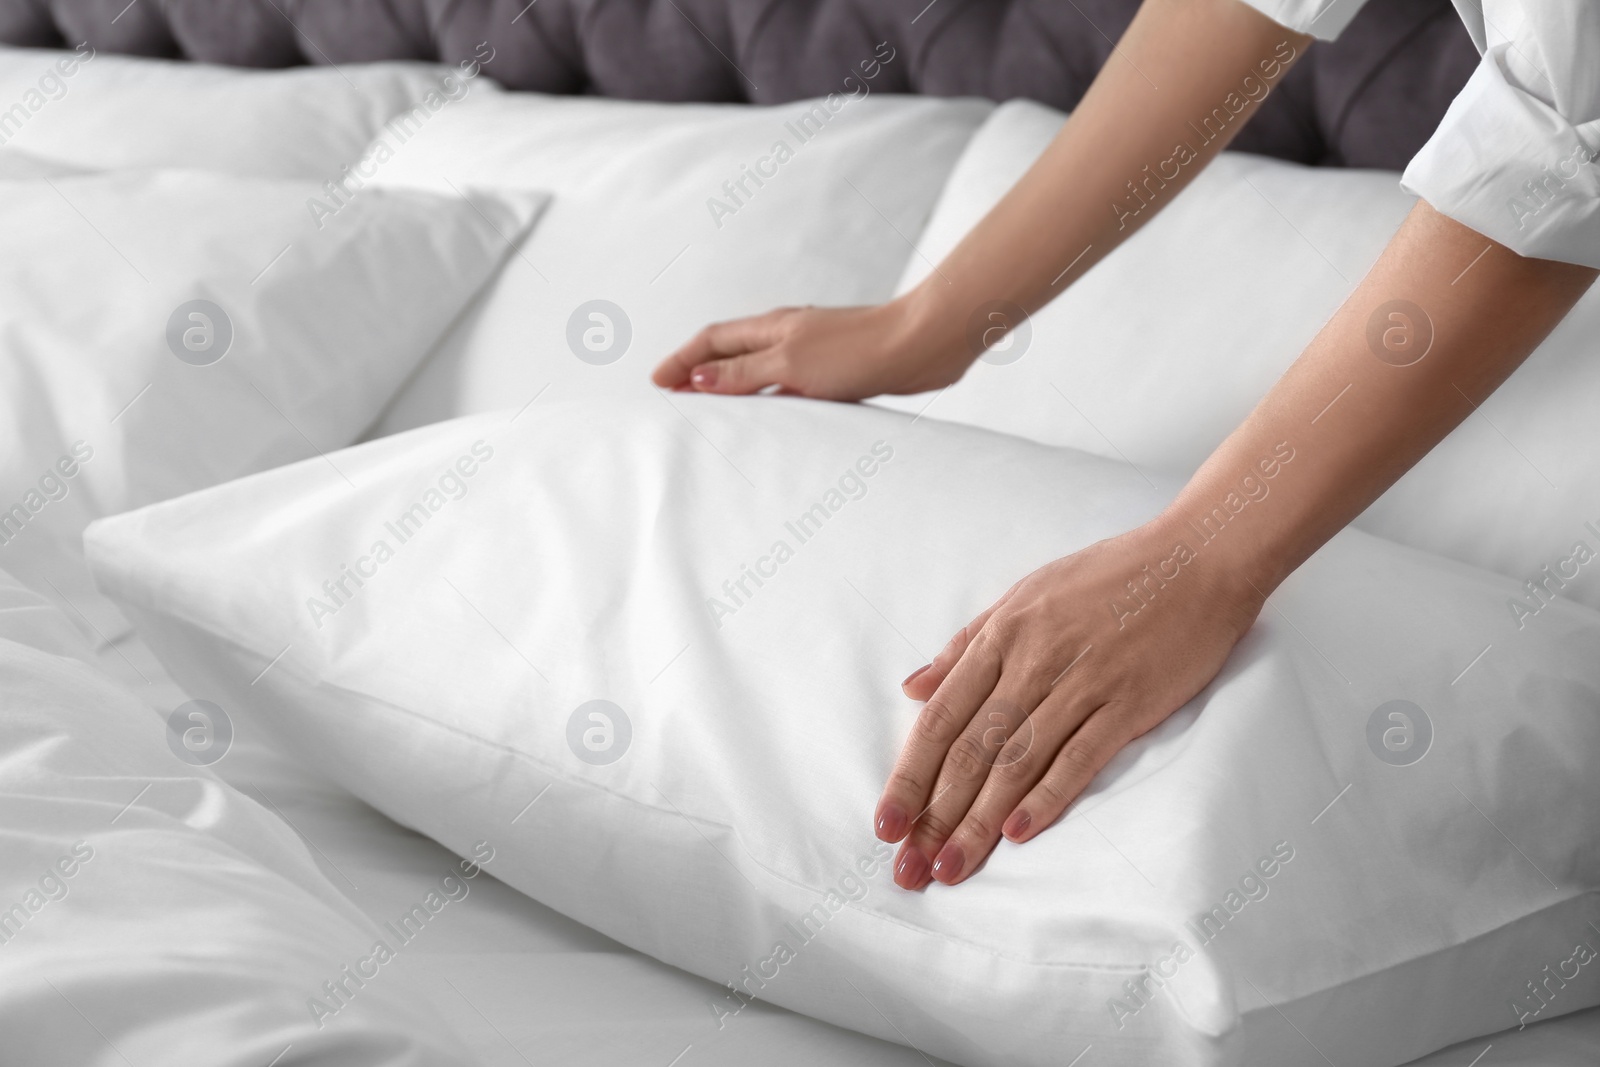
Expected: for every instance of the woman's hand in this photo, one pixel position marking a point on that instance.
(1036, 694)
(826, 353)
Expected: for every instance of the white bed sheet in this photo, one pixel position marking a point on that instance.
(523, 984)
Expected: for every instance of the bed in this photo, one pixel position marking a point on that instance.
(414, 229)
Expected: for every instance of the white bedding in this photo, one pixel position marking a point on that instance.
(517, 981)
(150, 913)
(638, 221)
(101, 111)
(520, 981)
(496, 601)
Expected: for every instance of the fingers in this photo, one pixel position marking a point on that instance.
(943, 719)
(1103, 735)
(925, 680)
(967, 767)
(717, 342)
(739, 375)
(1021, 762)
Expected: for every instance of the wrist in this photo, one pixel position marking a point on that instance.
(928, 336)
(1211, 533)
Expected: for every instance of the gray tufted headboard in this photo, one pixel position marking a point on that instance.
(1370, 99)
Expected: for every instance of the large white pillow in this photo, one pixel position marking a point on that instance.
(114, 394)
(150, 913)
(635, 223)
(576, 628)
(107, 112)
(1163, 348)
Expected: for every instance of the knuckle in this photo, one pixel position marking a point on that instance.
(1078, 761)
(977, 826)
(1053, 790)
(1016, 763)
(907, 787)
(966, 761)
(1000, 631)
(936, 826)
(937, 721)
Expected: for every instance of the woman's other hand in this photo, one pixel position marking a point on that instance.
(826, 353)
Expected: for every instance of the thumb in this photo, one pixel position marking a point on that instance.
(738, 375)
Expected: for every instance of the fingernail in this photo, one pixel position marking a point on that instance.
(891, 822)
(947, 866)
(911, 870)
(704, 377)
(1017, 825)
(914, 675)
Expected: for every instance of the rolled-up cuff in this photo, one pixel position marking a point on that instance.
(1323, 19)
(1511, 167)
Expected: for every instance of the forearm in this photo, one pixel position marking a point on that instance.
(1185, 77)
(1355, 412)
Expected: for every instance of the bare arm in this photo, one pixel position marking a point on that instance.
(1186, 76)
(1355, 418)
(1380, 385)
(1440, 321)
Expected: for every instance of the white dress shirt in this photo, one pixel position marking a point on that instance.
(1517, 155)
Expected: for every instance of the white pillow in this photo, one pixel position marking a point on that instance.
(150, 913)
(104, 405)
(1163, 348)
(725, 781)
(107, 112)
(634, 224)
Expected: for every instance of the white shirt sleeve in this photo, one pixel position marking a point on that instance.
(1323, 19)
(1515, 157)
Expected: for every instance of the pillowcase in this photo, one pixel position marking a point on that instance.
(655, 645)
(164, 331)
(110, 112)
(1161, 350)
(151, 913)
(663, 222)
